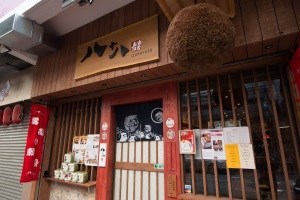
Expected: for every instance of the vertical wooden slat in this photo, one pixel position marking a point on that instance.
(90, 131)
(153, 192)
(160, 159)
(289, 112)
(59, 66)
(211, 126)
(223, 125)
(281, 148)
(36, 77)
(287, 23)
(249, 125)
(71, 125)
(239, 51)
(235, 124)
(145, 175)
(65, 133)
(263, 129)
(55, 146)
(251, 27)
(149, 160)
(268, 25)
(192, 157)
(138, 174)
(130, 173)
(42, 74)
(96, 131)
(55, 68)
(49, 73)
(296, 6)
(180, 128)
(200, 127)
(60, 147)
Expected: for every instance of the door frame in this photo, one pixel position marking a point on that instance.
(168, 93)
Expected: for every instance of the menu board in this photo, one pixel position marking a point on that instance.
(236, 135)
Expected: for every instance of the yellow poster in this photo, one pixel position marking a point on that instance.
(232, 156)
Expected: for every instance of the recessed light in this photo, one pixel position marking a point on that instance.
(268, 46)
(143, 75)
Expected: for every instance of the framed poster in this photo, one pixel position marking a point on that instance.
(187, 142)
(92, 150)
(139, 122)
(212, 144)
(79, 148)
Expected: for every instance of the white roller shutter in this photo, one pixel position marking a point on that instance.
(12, 145)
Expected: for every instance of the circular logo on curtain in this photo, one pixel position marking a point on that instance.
(157, 115)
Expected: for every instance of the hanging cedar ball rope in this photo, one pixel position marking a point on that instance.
(199, 37)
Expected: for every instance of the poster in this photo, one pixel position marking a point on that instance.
(92, 150)
(246, 156)
(240, 156)
(187, 142)
(79, 148)
(139, 122)
(102, 155)
(232, 156)
(212, 144)
(39, 116)
(236, 135)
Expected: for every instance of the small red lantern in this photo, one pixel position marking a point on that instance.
(17, 115)
(1, 117)
(7, 116)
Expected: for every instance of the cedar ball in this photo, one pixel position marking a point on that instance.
(199, 37)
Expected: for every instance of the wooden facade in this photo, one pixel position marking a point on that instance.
(265, 31)
(263, 28)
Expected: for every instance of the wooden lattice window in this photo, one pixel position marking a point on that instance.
(259, 99)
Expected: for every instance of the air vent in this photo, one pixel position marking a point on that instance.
(20, 33)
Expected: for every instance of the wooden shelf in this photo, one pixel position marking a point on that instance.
(84, 185)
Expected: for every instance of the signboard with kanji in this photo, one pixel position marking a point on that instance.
(135, 44)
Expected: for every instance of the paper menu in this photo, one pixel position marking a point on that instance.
(236, 135)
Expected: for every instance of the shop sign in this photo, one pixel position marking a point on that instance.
(39, 117)
(135, 44)
(102, 155)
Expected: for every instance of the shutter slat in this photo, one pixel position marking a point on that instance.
(12, 145)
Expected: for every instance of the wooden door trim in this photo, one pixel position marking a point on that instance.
(168, 94)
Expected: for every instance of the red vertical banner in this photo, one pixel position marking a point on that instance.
(295, 66)
(39, 117)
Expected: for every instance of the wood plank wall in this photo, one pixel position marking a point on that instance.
(262, 27)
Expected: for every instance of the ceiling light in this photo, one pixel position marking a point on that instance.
(83, 2)
(268, 46)
(4, 49)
